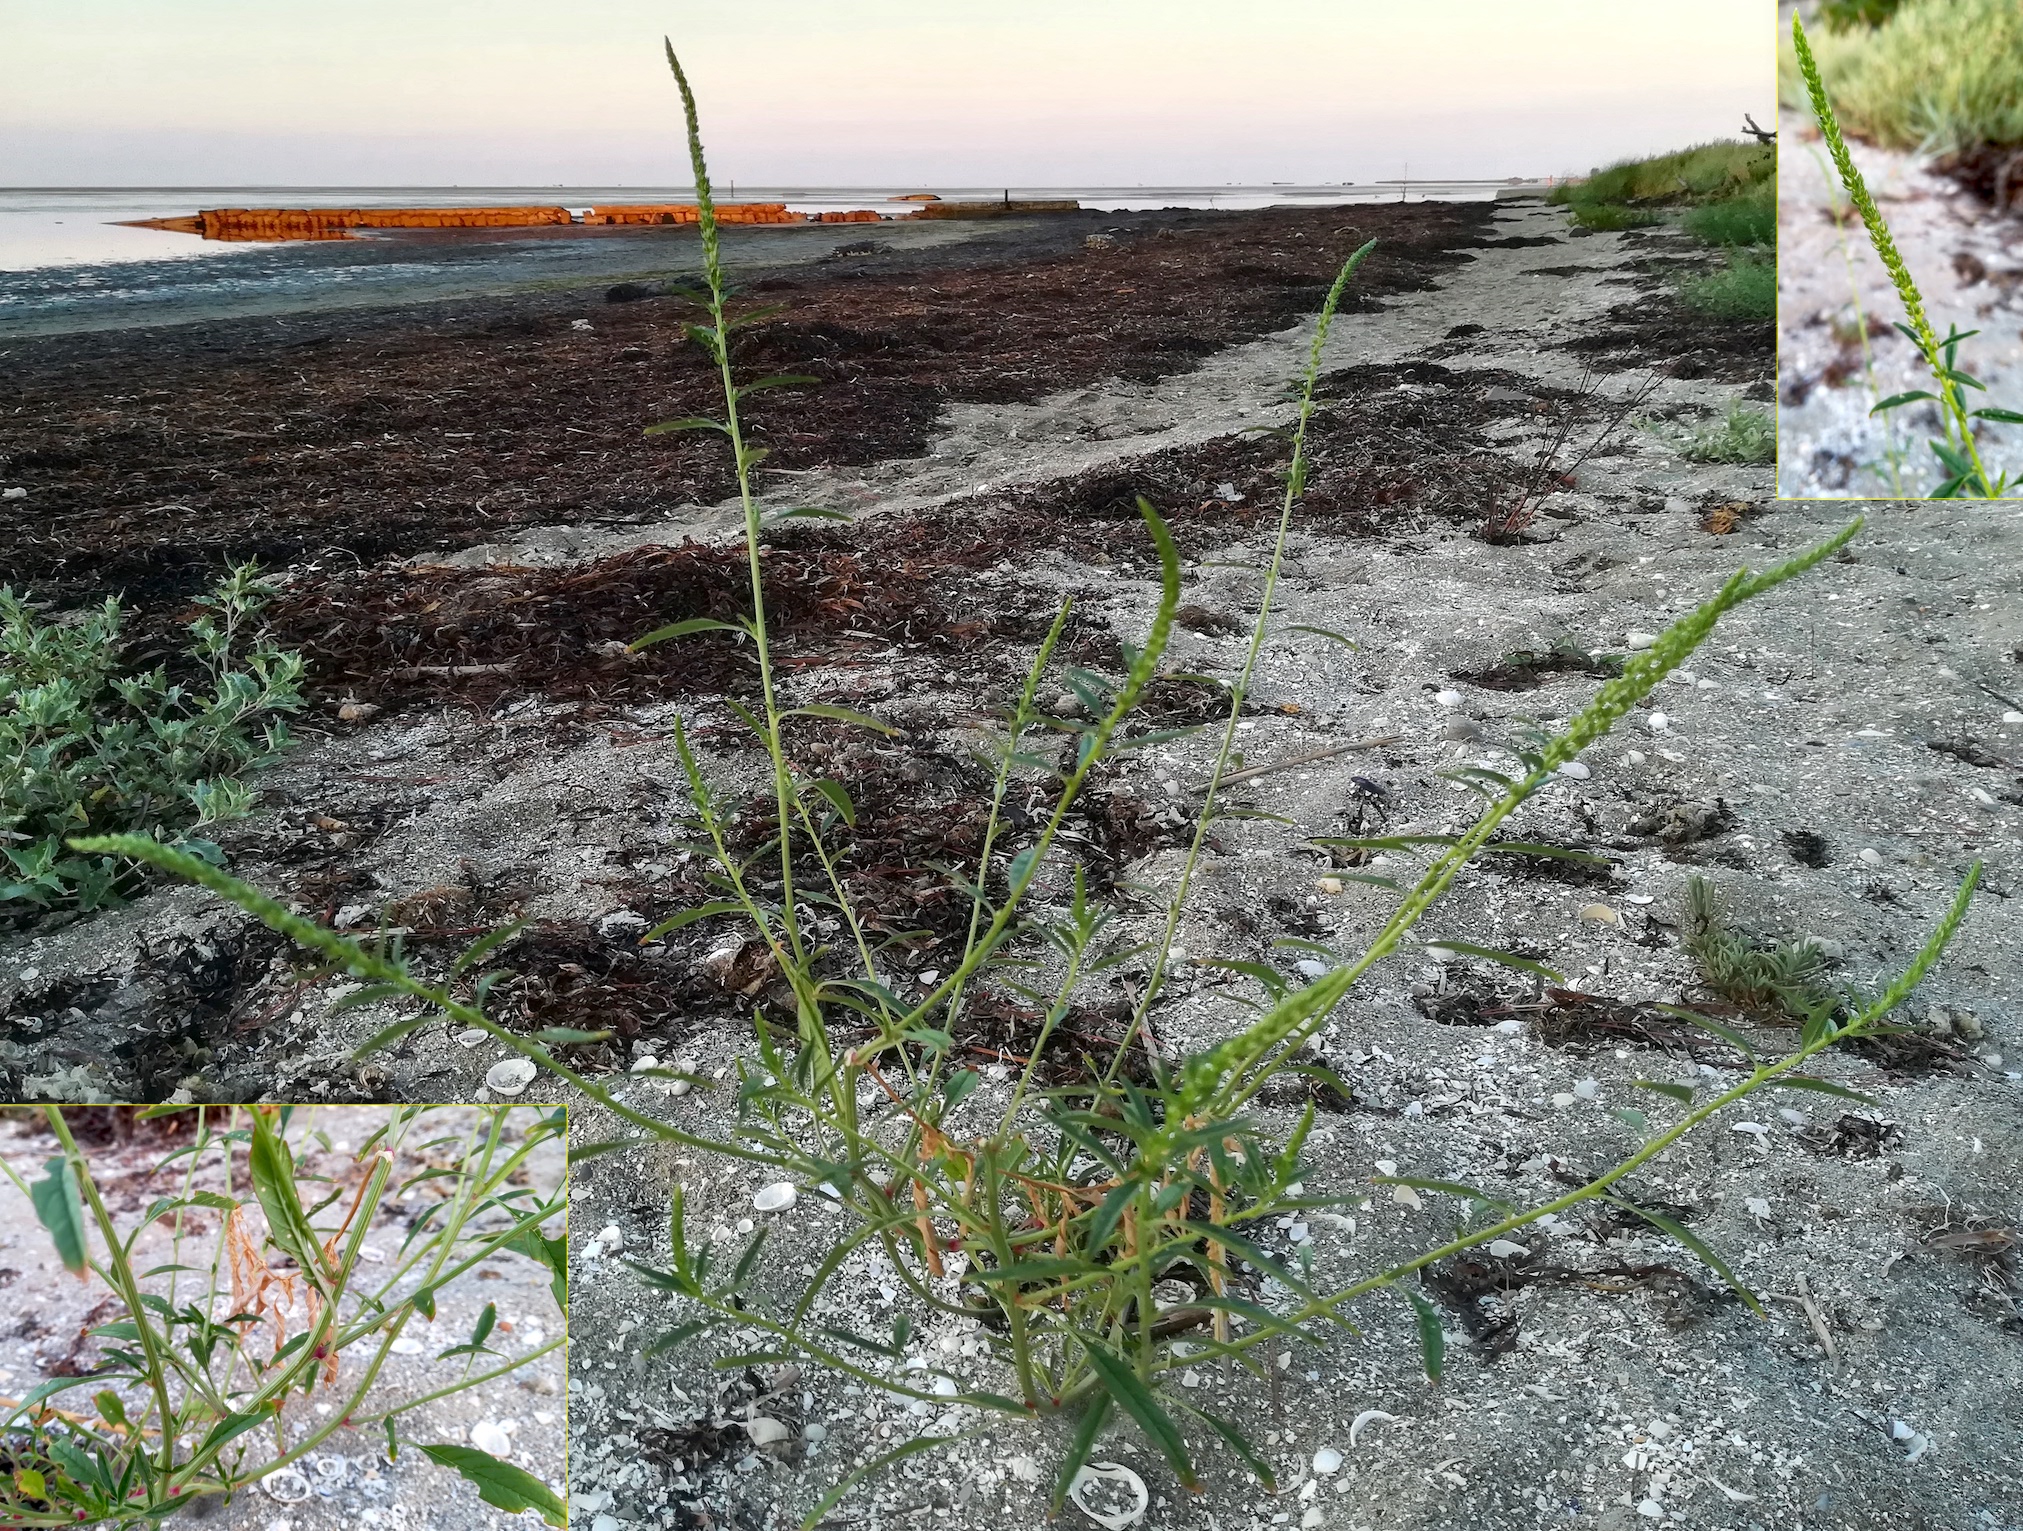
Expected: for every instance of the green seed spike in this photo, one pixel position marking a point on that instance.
(1920, 327)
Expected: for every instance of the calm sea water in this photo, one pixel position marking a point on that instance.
(66, 264)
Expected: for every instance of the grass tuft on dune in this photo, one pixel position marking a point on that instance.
(1940, 76)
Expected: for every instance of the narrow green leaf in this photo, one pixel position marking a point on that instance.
(1682, 1093)
(1086, 1430)
(687, 423)
(1733, 1038)
(59, 1207)
(876, 1465)
(1694, 1245)
(1507, 959)
(1896, 399)
(1253, 1459)
(840, 715)
(681, 630)
(2005, 416)
(688, 917)
(1136, 1400)
(1322, 632)
(1432, 1334)
(500, 1484)
(1821, 1086)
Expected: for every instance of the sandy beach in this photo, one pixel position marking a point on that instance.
(471, 528)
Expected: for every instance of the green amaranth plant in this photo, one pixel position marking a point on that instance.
(1965, 477)
(190, 1403)
(85, 748)
(1055, 1217)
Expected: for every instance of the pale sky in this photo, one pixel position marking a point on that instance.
(856, 92)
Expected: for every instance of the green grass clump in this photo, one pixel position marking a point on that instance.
(1725, 190)
(1744, 435)
(1746, 289)
(1942, 76)
(86, 748)
(1611, 216)
(1706, 172)
(1750, 219)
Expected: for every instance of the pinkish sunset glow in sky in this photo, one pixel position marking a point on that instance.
(821, 92)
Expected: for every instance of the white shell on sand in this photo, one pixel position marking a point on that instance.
(509, 1076)
(1110, 1494)
(488, 1437)
(776, 1197)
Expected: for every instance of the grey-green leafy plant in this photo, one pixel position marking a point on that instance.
(1060, 1216)
(86, 748)
(1781, 978)
(191, 1402)
(1964, 476)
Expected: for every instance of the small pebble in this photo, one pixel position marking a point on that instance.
(13, 494)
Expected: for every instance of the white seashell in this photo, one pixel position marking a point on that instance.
(1405, 1194)
(1756, 1207)
(1732, 1495)
(1761, 1132)
(1368, 1417)
(1507, 1249)
(1601, 914)
(1576, 769)
(1110, 1494)
(1658, 723)
(1650, 1509)
(777, 1197)
(1869, 856)
(1792, 1117)
(1674, 756)
(1562, 1099)
(286, 1486)
(1637, 757)
(1917, 1447)
(1637, 898)
(1387, 1166)
(1308, 967)
(1441, 953)
(1190, 1378)
(1447, 698)
(1327, 1461)
(613, 1237)
(1588, 1089)
(1511, 1028)
(509, 1076)
(406, 1346)
(766, 1431)
(488, 1437)
(1636, 1459)
(1636, 640)
(472, 1037)
(2012, 717)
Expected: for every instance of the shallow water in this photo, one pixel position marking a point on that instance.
(66, 265)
